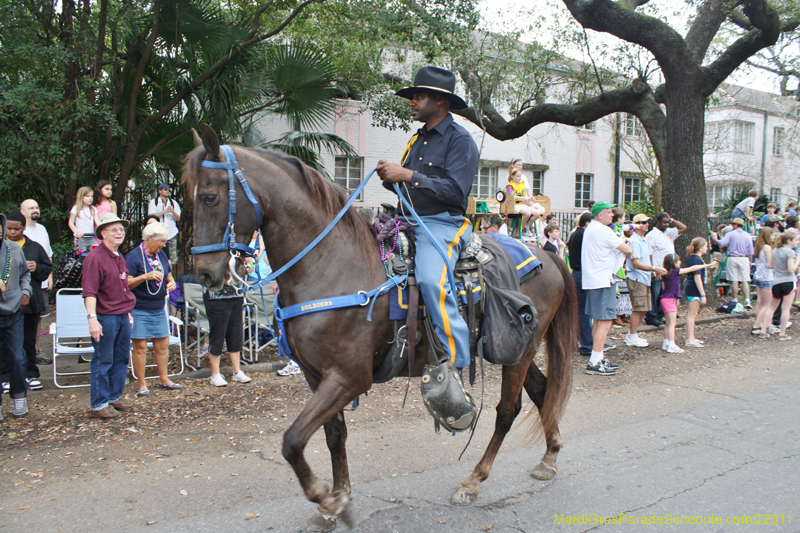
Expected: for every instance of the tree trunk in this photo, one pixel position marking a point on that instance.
(683, 181)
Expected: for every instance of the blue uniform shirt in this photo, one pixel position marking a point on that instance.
(444, 161)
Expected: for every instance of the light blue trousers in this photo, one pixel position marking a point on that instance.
(452, 233)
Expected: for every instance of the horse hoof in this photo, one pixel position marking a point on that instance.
(463, 496)
(338, 505)
(544, 471)
(320, 523)
(348, 514)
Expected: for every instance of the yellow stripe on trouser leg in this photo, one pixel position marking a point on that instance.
(443, 293)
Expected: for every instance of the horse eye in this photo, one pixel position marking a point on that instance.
(208, 199)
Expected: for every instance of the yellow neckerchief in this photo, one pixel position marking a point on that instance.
(519, 188)
(403, 160)
(407, 151)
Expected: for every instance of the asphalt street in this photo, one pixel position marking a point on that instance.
(733, 459)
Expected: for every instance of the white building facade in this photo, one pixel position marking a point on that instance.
(749, 144)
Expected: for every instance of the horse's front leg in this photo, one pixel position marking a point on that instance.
(507, 410)
(536, 387)
(330, 396)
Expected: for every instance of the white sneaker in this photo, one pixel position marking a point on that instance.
(773, 329)
(291, 369)
(635, 340)
(674, 348)
(241, 377)
(218, 380)
(664, 344)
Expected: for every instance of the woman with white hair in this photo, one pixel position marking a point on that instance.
(150, 280)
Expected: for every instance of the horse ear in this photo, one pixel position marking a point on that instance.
(210, 142)
(196, 139)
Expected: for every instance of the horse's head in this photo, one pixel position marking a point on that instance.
(211, 206)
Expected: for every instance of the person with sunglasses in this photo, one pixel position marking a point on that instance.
(492, 224)
(639, 272)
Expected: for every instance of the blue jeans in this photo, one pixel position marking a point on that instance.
(11, 334)
(584, 320)
(452, 233)
(110, 360)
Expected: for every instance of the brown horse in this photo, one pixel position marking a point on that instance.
(340, 348)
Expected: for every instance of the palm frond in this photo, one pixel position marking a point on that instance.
(304, 77)
(317, 142)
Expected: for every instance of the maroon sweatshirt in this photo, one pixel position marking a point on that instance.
(105, 276)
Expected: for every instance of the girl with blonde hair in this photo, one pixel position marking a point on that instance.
(524, 202)
(695, 289)
(763, 276)
(83, 218)
(671, 294)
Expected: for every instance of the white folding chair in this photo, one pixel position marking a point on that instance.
(175, 339)
(70, 333)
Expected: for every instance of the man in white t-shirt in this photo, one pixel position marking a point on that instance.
(38, 234)
(661, 241)
(169, 212)
(602, 255)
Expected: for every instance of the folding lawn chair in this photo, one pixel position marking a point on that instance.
(70, 333)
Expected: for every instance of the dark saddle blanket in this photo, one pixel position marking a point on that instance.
(508, 263)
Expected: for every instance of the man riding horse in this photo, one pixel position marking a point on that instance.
(435, 176)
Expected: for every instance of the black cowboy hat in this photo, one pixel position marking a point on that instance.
(435, 80)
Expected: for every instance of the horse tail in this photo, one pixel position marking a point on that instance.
(561, 339)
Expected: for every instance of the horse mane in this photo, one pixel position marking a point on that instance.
(328, 196)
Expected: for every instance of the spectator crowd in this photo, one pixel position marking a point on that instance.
(126, 299)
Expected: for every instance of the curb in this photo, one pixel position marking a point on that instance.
(710, 320)
(255, 368)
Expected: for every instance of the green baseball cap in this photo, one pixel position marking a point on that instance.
(600, 206)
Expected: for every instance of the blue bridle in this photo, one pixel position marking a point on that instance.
(229, 239)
